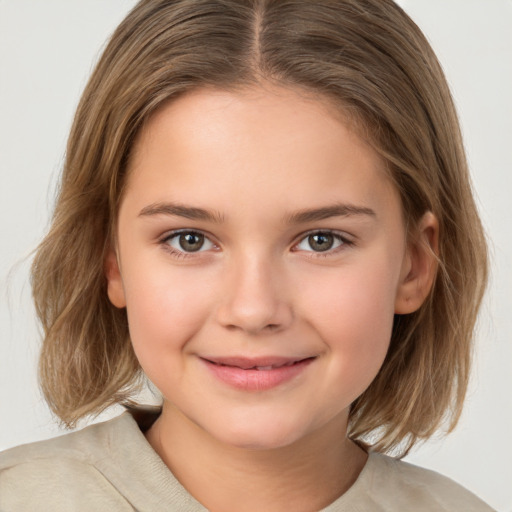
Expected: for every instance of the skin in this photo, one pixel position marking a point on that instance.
(258, 287)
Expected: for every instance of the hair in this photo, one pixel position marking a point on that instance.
(368, 58)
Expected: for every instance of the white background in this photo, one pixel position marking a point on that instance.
(47, 50)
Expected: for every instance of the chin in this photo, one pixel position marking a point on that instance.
(259, 437)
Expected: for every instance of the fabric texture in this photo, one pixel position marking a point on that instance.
(110, 466)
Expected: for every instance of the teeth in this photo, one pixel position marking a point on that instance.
(262, 368)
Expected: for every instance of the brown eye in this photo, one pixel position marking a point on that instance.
(187, 242)
(191, 242)
(321, 241)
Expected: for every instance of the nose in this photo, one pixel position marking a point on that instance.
(254, 298)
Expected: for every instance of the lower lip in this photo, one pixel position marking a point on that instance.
(257, 380)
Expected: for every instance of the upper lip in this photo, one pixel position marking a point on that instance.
(246, 363)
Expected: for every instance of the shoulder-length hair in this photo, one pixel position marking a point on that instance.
(366, 56)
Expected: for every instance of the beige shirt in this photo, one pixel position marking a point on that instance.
(111, 467)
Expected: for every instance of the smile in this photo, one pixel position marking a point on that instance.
(256, 374)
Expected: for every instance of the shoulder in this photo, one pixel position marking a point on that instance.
(107, 466)
(58, 473)
(403, 486)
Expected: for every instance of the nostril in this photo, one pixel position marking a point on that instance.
(253, 316)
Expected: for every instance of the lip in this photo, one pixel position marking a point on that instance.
(256, 374)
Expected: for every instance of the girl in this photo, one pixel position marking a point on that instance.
(265, 209)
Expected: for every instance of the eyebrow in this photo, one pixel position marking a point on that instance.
(179, 210)
(299, 217)
(326, 212)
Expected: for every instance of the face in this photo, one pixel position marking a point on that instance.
(261, 255)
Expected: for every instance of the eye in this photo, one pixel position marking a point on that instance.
(321, 241)
(187, 242)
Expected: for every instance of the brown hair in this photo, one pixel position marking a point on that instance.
(371, 60)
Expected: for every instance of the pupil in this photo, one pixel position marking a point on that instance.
(191, 241)
(321, 242)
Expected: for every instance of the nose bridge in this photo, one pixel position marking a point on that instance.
(255, 298)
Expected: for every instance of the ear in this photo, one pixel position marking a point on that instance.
(420, 266)
(115, 287)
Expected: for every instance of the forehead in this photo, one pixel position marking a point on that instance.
(206, 115)
(287, 145)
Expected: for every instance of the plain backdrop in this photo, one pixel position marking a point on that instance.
(47, 50)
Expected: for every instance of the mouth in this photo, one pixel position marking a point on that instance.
(256, 374)
(261, 364)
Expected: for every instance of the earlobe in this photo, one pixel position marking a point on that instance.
(115, 287)
(420, 266)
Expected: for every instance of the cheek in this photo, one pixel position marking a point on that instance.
(353, 313)
(165, 309)
(356, 299)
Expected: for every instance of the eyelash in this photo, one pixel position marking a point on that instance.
(344, 243)
(177, 253)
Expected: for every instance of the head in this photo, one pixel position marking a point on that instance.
(371, 65)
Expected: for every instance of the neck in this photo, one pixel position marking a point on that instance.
(306, 475)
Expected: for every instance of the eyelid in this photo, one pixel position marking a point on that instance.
(347, 241)
(169, 235)
(173, 232)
